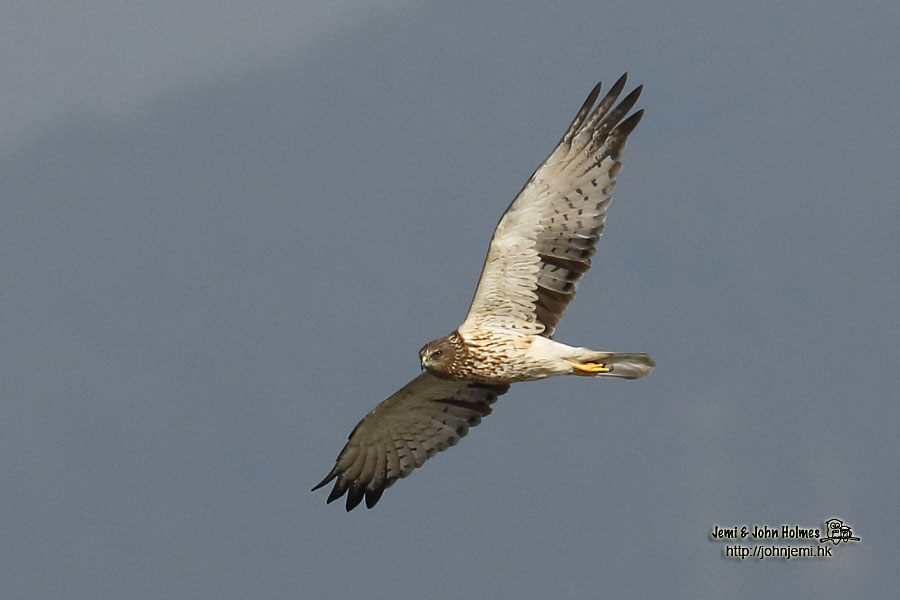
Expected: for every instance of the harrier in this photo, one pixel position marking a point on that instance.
(540, 249)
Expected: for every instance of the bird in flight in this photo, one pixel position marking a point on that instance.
(542, 246)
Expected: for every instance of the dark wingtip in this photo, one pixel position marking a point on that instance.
(628, 125)
(629, 100)
(616, 89)
(336, 492)
(322, 483)
(354, 497)
(373, 496)
(595, 91)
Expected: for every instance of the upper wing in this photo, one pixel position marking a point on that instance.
(544, 242)
(426, 416)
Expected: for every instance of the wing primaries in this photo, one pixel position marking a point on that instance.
(425, 417)
(544, 243)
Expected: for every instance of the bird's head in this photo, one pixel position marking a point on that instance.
(439, 356)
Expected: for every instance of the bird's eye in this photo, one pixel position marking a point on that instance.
(436, 354)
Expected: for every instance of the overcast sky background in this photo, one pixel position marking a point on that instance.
(226, 230)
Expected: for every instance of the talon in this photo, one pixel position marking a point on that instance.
(588, 368)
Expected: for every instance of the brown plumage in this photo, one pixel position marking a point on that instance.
(539, 251)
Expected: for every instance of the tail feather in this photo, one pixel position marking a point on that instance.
(624, 365)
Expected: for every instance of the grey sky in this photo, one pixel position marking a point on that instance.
(115, 58)
(225, 233)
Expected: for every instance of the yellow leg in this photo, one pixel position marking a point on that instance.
(588, 368)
